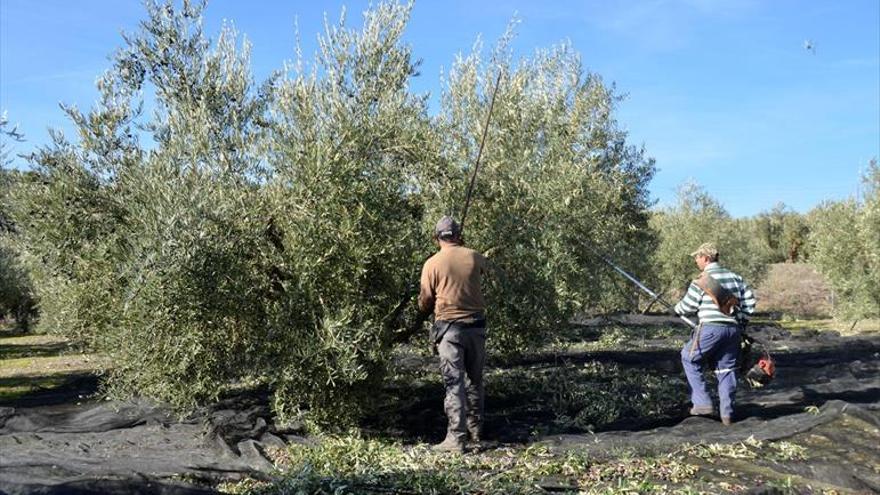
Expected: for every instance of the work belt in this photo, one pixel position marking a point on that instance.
(440, 327)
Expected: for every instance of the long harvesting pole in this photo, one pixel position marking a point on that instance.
(467, 200)
(640, 285)
(403, 336)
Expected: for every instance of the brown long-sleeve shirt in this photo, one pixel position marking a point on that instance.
(450, 283)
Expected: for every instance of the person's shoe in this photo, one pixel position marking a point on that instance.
(702, 411)
(475, 444)
(450, 444)
(476, 437)
(726, 421)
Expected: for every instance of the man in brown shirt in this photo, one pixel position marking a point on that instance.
(450, 288)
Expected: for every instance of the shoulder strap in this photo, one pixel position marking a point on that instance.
(722, 297)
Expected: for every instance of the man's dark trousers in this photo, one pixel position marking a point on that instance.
(462, 353)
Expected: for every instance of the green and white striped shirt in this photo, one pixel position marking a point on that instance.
(698, 301)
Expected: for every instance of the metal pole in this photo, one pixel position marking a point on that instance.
(467, 200)
(640, 285)
(411, 293)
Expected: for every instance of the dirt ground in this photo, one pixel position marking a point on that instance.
(607, 386)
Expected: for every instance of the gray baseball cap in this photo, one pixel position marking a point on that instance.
(447, 228)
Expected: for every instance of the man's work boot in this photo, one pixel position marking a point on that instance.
(726, 421)
(702, 411)
(476, 439)
(476, 435)
(450, 444)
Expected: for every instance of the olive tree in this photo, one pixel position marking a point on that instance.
(696, 218)
(16, 293)
(558, 178)
(142, 235)
(784, 234)
(348, 146)
(845, 247)
(239, 231)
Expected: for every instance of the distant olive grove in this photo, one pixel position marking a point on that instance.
(841, 239)
(16, 289)
(844, 244)
(270, 231)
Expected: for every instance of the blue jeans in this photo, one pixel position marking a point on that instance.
(718, 343)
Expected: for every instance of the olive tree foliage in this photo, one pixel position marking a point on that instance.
(239, 231)
(696, 218)
(784, 234)
(8, 177)
(144, 236)
(16, 299)
(845, 247)
(274, 231)
(557, 176)
(16, 295)
(349, 145)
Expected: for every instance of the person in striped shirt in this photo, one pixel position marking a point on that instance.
(723, 302)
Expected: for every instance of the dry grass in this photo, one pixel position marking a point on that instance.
(796, 290)
(31, 340)
(49, 365)
(845, 328)
(32, 363)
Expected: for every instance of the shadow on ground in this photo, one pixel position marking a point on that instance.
(32, 350)
(49, 390)
(525, 398)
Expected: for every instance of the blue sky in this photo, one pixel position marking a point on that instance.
(720, 92)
